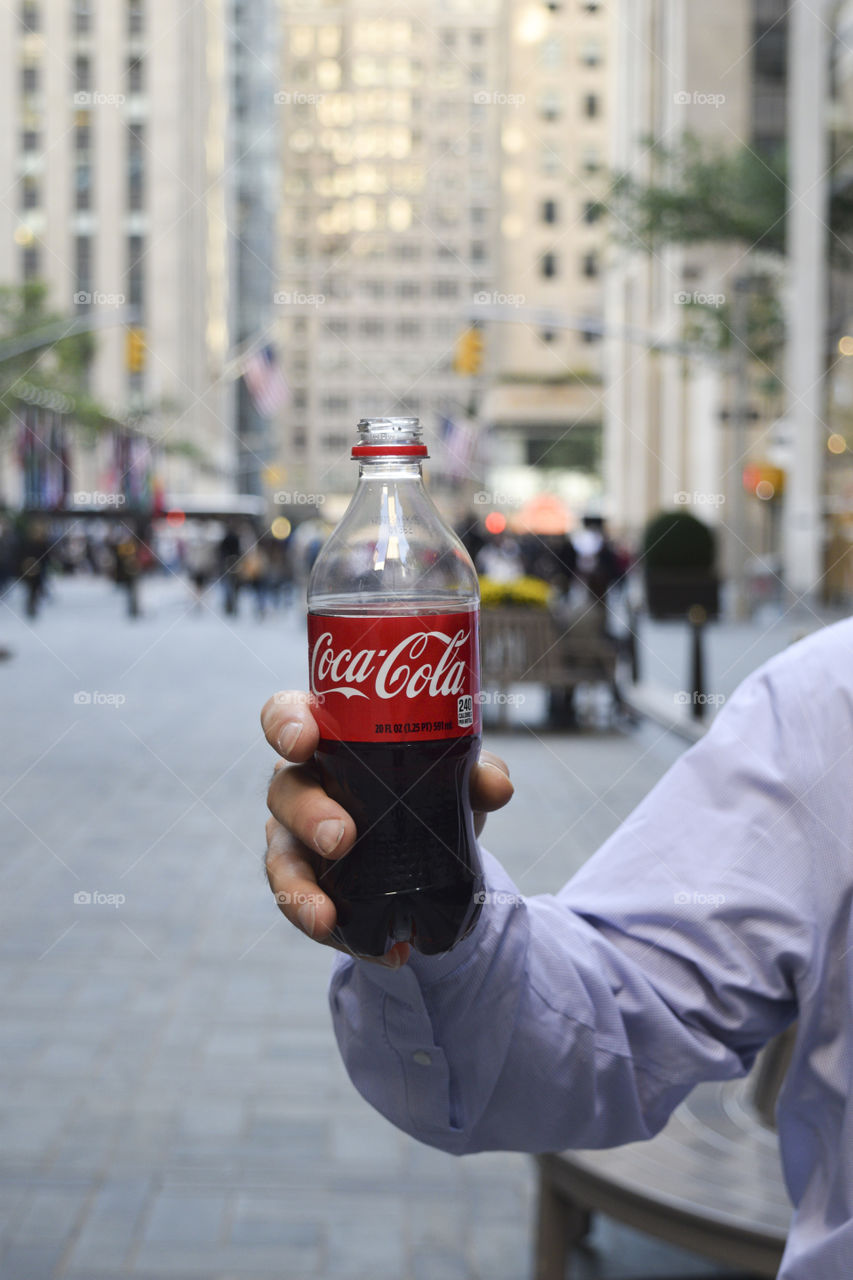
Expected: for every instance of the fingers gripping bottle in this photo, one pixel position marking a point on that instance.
(393, 613)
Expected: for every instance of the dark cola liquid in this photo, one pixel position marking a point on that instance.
(414, 871)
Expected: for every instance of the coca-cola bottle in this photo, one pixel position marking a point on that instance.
(393, 612)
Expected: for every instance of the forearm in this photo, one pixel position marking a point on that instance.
(516, 1040)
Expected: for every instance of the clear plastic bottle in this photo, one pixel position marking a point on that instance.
(393, 614)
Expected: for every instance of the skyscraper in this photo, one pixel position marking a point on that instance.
(114, 164)
(389, 216)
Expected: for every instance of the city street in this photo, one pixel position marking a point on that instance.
(174, 1103)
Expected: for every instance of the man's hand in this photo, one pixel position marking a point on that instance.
(307, 826)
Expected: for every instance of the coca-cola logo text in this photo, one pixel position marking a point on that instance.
(398, 672)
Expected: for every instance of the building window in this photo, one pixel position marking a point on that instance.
(549, 211)
(83, 263)
(30, 263)
(551, 53)
(550, 104)
(408, 329)
(591, 55)
(82, 74)
(135, 75)
(591, 6)
(82, 185)
(30, 18)
(82, 132)
(548, 265)
(339, 328)
(135, 17)
(477, 37)
(370, 328)
(135, 168)
(30, 140)
(591, 159)
(589, 336)
(589, 265)
(478, 251)
(407, 289)
(135, 271)
(445, 288)
(29, 79)
(591, 211)
(30, 194)
(82, 10)
(590, 105)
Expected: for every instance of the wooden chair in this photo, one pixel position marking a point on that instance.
(710, 1181)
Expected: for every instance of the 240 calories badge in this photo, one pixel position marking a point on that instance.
(381, 678)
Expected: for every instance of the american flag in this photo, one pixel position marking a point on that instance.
(459, 438)
(265, 381)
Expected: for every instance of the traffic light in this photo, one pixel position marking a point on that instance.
(136, 349)
(468, 358)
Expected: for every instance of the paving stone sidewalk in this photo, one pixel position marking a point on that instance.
(172, 1101)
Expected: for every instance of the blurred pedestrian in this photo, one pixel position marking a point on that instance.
(199, 564)
(255, 574)
(127, 567)
(229, 558)
(34, 563)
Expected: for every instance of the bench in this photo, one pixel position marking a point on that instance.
(526, 645)
(710, 1181)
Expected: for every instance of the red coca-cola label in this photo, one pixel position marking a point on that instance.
(391, 678)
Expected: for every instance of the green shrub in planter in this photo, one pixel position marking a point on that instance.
(678, 561)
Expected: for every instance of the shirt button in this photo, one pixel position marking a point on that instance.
(422, 1058)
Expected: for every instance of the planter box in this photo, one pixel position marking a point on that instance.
(671, 593)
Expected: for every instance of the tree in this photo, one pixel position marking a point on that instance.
(58, 364)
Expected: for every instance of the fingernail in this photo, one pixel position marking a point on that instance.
(306, 916)
(289, 736)
(328, 835)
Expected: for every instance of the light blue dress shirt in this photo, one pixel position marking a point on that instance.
(715, 915)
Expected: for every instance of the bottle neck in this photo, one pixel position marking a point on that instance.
(380, 468)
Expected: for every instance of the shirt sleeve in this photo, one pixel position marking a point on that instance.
(582, 1019)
